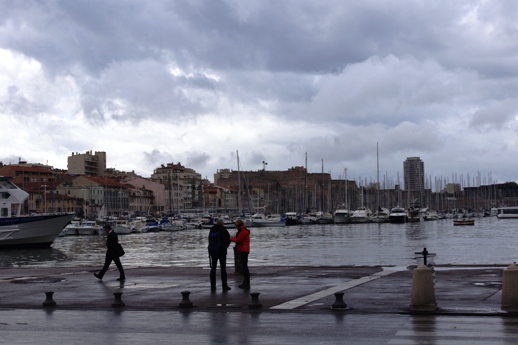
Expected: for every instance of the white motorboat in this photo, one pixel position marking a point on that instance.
(26, 231)
(174, 225)
(397, 215)
(121, 227)
(380, 216)
(136, 225)
(430, 215)
(342, 216)
(260, 220)
(292, 218)
(89, 228)
(507, 212)
(150, 225)
(324, 218)
(361, 215)
(71, 228)
(307, 219)
(415, 214)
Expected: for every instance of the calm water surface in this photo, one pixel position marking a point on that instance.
(489, 241)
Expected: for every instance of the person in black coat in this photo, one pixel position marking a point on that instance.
(219, 240)
(112, 254)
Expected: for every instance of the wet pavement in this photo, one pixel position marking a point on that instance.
(294, 302)
(466, 289)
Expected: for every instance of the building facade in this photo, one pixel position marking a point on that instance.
(183, 187)
(413, 174)
(87, 164)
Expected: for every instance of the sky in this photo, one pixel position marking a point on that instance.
(351, 85)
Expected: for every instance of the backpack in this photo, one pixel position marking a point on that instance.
(214, 243)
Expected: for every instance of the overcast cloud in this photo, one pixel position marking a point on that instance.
(154, 82)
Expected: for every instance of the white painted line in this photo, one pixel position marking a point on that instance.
(324, 293)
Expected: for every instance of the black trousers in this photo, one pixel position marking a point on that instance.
(107, 262)
(223, 267)
(243, 257)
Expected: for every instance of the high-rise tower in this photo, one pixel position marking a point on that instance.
(413, 170)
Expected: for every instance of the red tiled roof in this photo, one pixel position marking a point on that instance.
(105, 181)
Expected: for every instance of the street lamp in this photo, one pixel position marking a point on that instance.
(45, 196)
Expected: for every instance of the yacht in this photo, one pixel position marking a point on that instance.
(361, 215)
(71, 228)
(89, 227)
(150, 225)
(397, 215)
(507, 212)
(174, 225)
(260, 220)
(342, 215)
(324, 218)
(121, 226)
(380, 216)
(39, 230)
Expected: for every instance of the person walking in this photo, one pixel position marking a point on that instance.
(242, 240)
(219, 240)
(112, 254)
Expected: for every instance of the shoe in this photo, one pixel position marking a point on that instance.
(98, 276)
(121, 279)
(226, 288)
(244, 287)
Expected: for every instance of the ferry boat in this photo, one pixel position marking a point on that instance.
(17, 230)
(507, 212)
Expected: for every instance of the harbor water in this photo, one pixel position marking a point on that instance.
(490, 241)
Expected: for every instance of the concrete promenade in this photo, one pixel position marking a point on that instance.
(465, 290)
(294, 296)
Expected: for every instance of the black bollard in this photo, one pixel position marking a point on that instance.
(339, 302)
(185, 303)
(49, 301)
(255, 304)
(118, 300)
(425, 256)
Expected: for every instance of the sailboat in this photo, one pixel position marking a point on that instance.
(362, 214)
(397, 214)
(342, 214)
(382, 214)
(323, 217)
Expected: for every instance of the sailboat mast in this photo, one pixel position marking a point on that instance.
(322, 194)
(238, 183)
(305, 184)
(378, 175)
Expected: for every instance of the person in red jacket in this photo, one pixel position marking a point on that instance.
(242, 241)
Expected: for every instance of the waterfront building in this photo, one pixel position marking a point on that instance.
(87, 164)
(99, 192)
(23, 173)
(183, 187)
(219, 199)
(293, 190)
(147, 196)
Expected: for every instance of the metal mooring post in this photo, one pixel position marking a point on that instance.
(425, 255)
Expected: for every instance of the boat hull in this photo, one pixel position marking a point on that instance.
(359, 220)
(397, 219)
(32, 231)
(459, 222)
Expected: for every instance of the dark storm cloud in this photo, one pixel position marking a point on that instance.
(341, 75)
